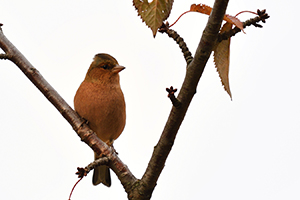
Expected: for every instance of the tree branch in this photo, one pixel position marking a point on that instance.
(262, 16)
(179, 40)
(188, 89)
(84, 132)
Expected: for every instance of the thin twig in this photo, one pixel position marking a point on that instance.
(171, 91)
(179, 40)
(4, 56)
(262, 16)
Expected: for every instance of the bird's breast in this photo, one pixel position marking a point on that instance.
(103, 106)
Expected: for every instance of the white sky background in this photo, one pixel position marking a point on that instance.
(247, 148)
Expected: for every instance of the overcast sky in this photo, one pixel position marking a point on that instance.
(247, 148)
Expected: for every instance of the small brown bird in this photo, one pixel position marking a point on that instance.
(99, 99)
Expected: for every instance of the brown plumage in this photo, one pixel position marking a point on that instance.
(99, 99)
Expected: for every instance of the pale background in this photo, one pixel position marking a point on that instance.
(247, 148)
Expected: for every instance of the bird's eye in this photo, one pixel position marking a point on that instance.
(105, 66)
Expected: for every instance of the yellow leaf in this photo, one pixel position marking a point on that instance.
(154, 13)
(221, 58)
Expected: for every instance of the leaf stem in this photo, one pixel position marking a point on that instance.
(245, 12)
(180, 17)
(74, 188)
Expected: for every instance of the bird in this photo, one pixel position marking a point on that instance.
(100, 101)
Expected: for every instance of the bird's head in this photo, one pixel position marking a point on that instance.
(104, 69)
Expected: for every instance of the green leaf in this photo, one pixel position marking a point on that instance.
(154, 13)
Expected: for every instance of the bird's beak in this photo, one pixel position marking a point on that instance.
(118, 68)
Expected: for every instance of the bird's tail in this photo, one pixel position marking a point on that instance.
(101, 175)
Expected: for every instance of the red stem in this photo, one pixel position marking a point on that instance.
(74, 188)
(246, 11)
(179, 18)
(193, 11)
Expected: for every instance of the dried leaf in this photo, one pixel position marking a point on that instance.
(154, 13)
(221, 58)
(235, 21)
(201, 8)
(204, 9)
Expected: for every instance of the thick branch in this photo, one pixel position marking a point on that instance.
(188, 89)
(13, 54)
(84, 132)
